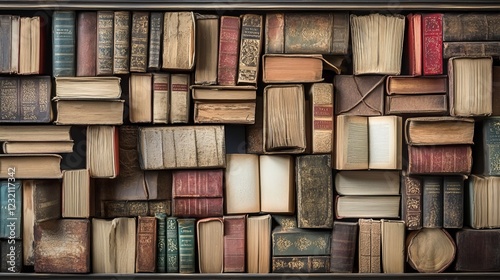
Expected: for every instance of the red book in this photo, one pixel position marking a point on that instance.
(432, 40)
(234, 243)
(415, 44)
(146, 244)
(228, 50)
(442, 159)
(86, 48)
(197, 207)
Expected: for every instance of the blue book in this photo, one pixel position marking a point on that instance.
(63, 44)
(11, 209)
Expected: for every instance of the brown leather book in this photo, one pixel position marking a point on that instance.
(414, 44)
(146, 244)
(359, 95)
(250, 48)
(496, 91)
(439, 131)
(178, 40)
(229, 37)
(234, 243)
(86, 47)
(64, 237)
(489, 48)
(417, 85)
(432, 44)
(441, 159)
(424, 104)
(411, 205)
(320, 118)
(369, 246)
(471, 27)
(477, 250)
(343, 246)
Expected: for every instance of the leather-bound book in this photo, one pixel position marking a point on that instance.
(477, 250)
(63, 44)
(488, 48)
(121, 42)
(321, 118)
(105, 23)
(155, 40)
(139, 36)
(86, 48)
(343, 246)
(486, 147)
(187, 245)
(411, 206)
(301, 264)
(178, 40)
(359, 95)
(432, 202)
(369, 246)
(471, 27)
(453, 201)
(432, 44)
(145, 260)
(235, 243)
(440, 159)
(250, 48)
(414, 43)
(228, 50)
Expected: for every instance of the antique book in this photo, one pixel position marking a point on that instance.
(187, 244)
(481, 202)
(210, 245)
(367, 206)
(439, 131)
(105, 24)
(430, 250)
(11, 211)
(290, 242)
(15, 42)
(172, 245)
(359, 142)
(453, 201)
(477, 250)
(6, 44)
(134, 208)
(180, 98)
(63, 43)
(32, 45)
(29, 147)
(411, 204)
(223, 93)
(440, 159)
(432, 202)
(307, 32)
(423, 104)
(486, 154)
(75, 88)
(470, 27)
(367, 182)
(284, 125)
(258, 234)
(161, 98)
(369, 245)
(102, 151)
(139, 36)
(113, 245)
(381, 52)
(242, 184)
(296, 68)
(254, 133)
(161, 242)
(277, 190)
(392, 235)
(197, 193)
(63, 237)
(78, 199)
(320, 117)
(89, 112)
(121, 42)
(414, 43)
(12, 260)
(417, 85)
(86, 47)
(25, 99)
(207, 46)
(179, 40)
(252, 26)
(145, 257)
(31, 166)
(140, 98)
(343, 246)
(496, 91)
(155, 40)
(471, 96)
(234, 243)
(314, 189)
(183, 147)
(432, 44)
(34, 133)
(301, 264)
(488, 48)
(229, 41)
(359, 95)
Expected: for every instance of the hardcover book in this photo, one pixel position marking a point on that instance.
(139, 36)
(414, 43)
(210, 244)
(440, 159)
(343, 246)
(488, 48)
(258, 232)
(477, 250)
(481, 202)
(11, 211)
(392, 246)
(471, 27)
(121, 42)
(367, 182)
(89, 112)
(369, 246)
(187, 245)
(7, 33)
(207, 46)
(301, 264)
(432, 202)
(30, 166)
(161, 98)
(105, 23)
(432, 44)
(161, 243)
(413, 105)
(320, 116)
(297, 68)
(102, 151)
(172, 244)
(487, 147)
(155, 40)
(229, 37)
(140, 98)
(234, 243)
(411, 206)
(179, 35)
(439, 131)
(86, 44)
(180, 98)
(63, 43)
(300, 242)
(250, 48)
(359, 95)
(145, 257)
(453, 201)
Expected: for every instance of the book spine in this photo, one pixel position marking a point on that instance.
(414, 49)
(432, 44)
(307, 264)
(11, 207)
(364, 247)
(187, 245)
(424, 104)
(375, 249)
(161, 249)
(86, 48)
(5, 43)
(453, 202)
(321, 99)
(161, 97)
(105, 20)
(9, 92)
(121, 38)
(291, 243)
(275, 40)
(12, 255)
(146, 244)
(343, 246)
(470, 27)
(444, 159)
(15, 44)
(228, 50)
(490, 158)
(155, 37)
(234, 243)
(119, 208)
(46, 200)
(178, 40)
(139, 41)
(197, 183)
(207, 40)
(250, 48)
(412, 202)
(340, 36)
(172, 256)
(201, 207)
(432, 202)
(179, 98)
(451, 49)
(63, 44)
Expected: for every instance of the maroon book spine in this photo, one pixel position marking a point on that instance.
(228, 50)
(432, 40)
(197, 207)
(197, 183)
(234, 243)
(146, 244)
(442, 159)
(86, 48)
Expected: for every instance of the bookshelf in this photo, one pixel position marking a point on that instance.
(257, 6)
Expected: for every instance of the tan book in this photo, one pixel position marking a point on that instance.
(393, 246)
(210, 239)
(102, 151)
(368, 142)
(439, 131)
(31, 44)
(367, 182)
(30, 166)
(89, 112)
(416, 85)
(259, 243)
(367, 206)
(180, 98)
(88, 87)
(224, 113)
(140, 98)
(179, 35)
(242, 184)
(223, 93)
(207, 46)
(161, 97)
(34, 133)
(321, 117)
(296, 68)
(369, 246)
(277, 184)
(77, 194)
(252, 26)
(42, 147)
(430, 250)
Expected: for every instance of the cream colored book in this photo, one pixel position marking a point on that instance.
(210, 239)
(259, 243)
(77, 194)
(140, 98)
(393, 246)
(277, 184)
(242, 184)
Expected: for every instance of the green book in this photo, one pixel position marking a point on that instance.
(300, 242)
(187, 245)
(172, 253)
(161, 250)
(63, 44)
(12, 209)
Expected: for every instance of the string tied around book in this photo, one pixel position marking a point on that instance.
(362, 99)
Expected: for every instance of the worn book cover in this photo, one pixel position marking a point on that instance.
(145, 258)
(11, 210)
(139, 36)
(369, 246)
(254, 133)
(359, 95)
(250, 48)
(179, 36)
(432, 44)
(301, 264)
(320, 118)
(453, 201)
(161, 98)
(477, 250)
(172, 244)
(121, 42)
(207, 46)
(432, 202)
(416, 105)
(6, 44)
(134, 208)
(105, 23)
(210, 244)
(229, 41)
(440, 159)
(439, 131)
(63, 43)
(155, 40)
(487, 147)
(300, 242)
(430, 250)
(140, 97)
(411, 206)
(234, 243)
(161, 243)
(86, 44)
(414, 43)
(187, 245)
(343, 246)
(471, 27)
(488, 48)
(180, 98)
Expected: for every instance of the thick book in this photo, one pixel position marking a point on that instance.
(155, 40)
(432, 44)
(290, 242)
(140, 98)
(63, 43)
(89, 112)
(179, 40)
(234, 243)
(25, 99)
(307, 32)
(439, 131)
(161, 98)
(359, 95)
(134, 208)
(32, 38)
(30, 166)
(482, 202)
(139, 36)
(78, 199)
(488, 48)
(87, 88)
(223, 94)
(430, 250)
(314, 189)
(242, 184)
(343, 246)
(210, 244)
(392, 235)
(369, 245)
(86, 47)
(301, 264)
(496, 91)
(453, 201)
(103, 157)
(432, 202)
(486, 154)
(63, 237)
(403, 84)
(242, 112)
(367, 182)
(259, 244)
(297, 68)
(194, 147)
(320, 117)
(414, 43)
(180, 98)
(172, 257)
(367, 206)
(471, 27)
(145, 257)
(105, 23)
(252, 26)
(11, 211)
(27, 147)
(187, 244)
(277, 184)
(229, 41)
(440, 159)
(207, 46)
(477, 250)
(411, 201)
(415, 105)
(121, 42)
